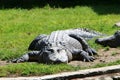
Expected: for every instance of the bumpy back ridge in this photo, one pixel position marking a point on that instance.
(85, 33)
(91, 31)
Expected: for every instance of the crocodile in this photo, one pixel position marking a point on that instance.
(61, 46)
(111, 41)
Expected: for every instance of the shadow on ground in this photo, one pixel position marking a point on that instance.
(99, 6)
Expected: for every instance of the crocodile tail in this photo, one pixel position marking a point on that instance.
(87, 33)
(92, 32)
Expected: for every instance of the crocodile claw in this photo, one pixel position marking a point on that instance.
(89, 59)
(18, 60)
(91, 51)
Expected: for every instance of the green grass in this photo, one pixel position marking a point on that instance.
(27, 69)
(35, 69)
(18, 27)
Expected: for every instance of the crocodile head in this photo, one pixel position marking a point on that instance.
(111, 41)
(54, 55)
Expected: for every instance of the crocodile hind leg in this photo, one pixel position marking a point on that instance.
(36, 41)
(30, 56)
(85, 45)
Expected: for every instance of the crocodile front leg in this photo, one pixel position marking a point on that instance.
(30, 56)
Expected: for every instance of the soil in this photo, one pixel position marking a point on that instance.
(104, 56)
(2, 63)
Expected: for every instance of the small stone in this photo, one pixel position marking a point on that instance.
(108, 78)
(117, 24)
(102, 61)
(116, 77)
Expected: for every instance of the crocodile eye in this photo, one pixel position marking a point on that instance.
(58, 50)
(51, 50)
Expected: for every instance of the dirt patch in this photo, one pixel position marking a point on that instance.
(104, 56)
(2, 63)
